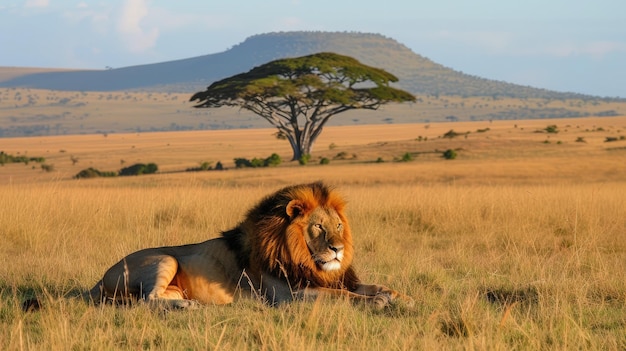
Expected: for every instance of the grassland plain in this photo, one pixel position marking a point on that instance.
(34, 112)
(519, 243)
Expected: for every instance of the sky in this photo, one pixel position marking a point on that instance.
(564, 45)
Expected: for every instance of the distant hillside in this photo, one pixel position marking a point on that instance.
(416, 73)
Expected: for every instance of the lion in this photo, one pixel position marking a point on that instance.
(294, 244)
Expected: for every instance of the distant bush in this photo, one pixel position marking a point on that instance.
(304, 159)
(451, 134)
(204, 166)
(406, 157)
(272, 161)
(449, 154)
(93, 173)
(552, 129)
(6, 158)
(324, 161)
(139, 169)
(242, 162)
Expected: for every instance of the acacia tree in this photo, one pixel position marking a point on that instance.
(300, 95)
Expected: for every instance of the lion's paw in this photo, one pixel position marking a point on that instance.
(382, 300)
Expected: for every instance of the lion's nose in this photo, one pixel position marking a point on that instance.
(336, 248)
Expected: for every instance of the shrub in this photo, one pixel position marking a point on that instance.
(407, 157)
(204, 166)
(324, 161)
(6, 158)
(272, 161)
(551, 129)
(304, 159)
(93, 173)
(139, 169)
(219, 166)
(449, 154)
(451, 134)
(242, 163)
(257, 162)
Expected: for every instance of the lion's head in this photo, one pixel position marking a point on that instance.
(300, 233)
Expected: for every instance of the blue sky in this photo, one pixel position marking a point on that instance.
(574, 45)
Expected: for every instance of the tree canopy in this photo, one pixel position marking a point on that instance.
(300, 95)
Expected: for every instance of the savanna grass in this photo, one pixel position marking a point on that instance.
(490, 267)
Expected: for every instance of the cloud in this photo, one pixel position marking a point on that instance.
(596, 49)
(136, 37)
(37, 3)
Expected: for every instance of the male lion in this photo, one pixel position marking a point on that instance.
(296, 243)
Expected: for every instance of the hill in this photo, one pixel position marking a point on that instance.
(417, 74)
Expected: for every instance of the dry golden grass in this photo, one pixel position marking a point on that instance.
(516, 244)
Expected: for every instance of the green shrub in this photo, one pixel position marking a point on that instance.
(451, 134)
(552, 129)
(6, 158)
(272, 161)
(449, 154)
(324, 161)
(304, 159)
(406, 157)
(242, 162)
(139, 169)
(93, 173)
(257, 162)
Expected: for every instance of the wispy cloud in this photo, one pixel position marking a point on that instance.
(136, 37)
(595, 49)
(37, 3)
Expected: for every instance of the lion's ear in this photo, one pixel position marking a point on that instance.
(295, 208)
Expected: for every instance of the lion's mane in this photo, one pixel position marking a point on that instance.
(266, 241)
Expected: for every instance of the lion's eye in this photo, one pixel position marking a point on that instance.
(318, 226)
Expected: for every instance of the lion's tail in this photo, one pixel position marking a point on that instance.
(95, 296)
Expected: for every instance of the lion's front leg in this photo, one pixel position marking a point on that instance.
(380, 295)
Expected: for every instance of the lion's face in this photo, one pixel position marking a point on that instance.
(324, 238)
(301, 233)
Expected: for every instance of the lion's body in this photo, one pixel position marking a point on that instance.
(295, 243)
